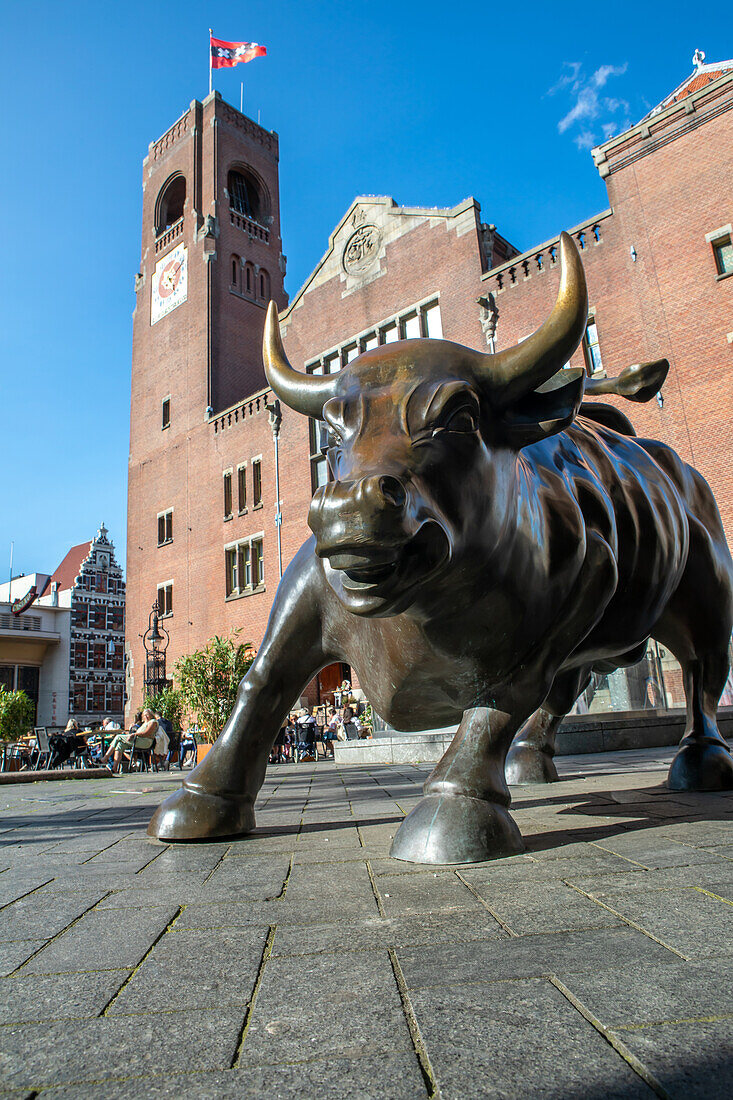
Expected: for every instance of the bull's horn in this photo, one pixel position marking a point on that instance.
(305, 393)
(516, 371)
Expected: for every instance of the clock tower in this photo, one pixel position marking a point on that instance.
(211, 260)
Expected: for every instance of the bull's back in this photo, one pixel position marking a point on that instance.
(645, 514)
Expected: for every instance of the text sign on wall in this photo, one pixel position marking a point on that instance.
(170, 284)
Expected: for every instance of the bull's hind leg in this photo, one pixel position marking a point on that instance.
(530, 759)
(463, 817)
(703, 761)
(696, 626)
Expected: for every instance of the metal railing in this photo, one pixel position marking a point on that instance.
(20, 622)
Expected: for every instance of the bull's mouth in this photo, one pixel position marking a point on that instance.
(380, 582)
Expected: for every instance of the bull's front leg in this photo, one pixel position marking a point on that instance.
(463, 817)
(217, 798)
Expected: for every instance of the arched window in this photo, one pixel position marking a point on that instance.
(170, 203)
(236, 273)
(246, 196)
(249, 279)
(264, 284)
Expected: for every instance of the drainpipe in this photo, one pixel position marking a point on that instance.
(274, 415)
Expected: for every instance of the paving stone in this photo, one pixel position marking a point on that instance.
(255, 879)
(620, 995)
(187, 857)
(528, 956)
(517, 1039)
(35, 1055)
(315, 880)
(27, 997)
(16, 884)
(411, 931)
(195, 970)
(663, 878)
(660, 854)
(369, 1077)
(686, 919)
(554, 908)
(15, 953)
(351, 998)
(691, 1061)
(44, 913)
(103, 940)
(426, 892)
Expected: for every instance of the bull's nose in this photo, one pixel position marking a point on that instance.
(384, 490)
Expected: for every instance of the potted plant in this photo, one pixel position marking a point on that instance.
(208, 680)
(17, 714)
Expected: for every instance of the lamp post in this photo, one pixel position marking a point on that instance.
(155, 644)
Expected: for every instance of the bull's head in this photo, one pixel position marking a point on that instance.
(422, 448)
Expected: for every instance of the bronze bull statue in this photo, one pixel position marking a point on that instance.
(484, 545)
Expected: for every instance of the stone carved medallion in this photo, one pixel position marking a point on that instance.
(362, 249)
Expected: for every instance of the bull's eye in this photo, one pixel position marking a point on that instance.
(462, 420)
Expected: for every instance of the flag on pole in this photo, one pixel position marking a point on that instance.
(225, 55)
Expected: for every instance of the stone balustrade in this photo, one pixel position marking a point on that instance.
(520, 268)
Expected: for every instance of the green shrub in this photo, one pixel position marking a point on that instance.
(17, 714)
(169, 704)
(208, 681)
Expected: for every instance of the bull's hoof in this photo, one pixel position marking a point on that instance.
(526, 764)
(456, 829)
(195, 815)
(703, 765)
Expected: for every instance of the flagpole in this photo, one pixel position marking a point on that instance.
(241, 98)
(210, 36)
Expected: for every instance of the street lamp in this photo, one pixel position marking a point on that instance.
(155, 644)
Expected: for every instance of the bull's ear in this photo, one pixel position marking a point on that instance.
(546, 410)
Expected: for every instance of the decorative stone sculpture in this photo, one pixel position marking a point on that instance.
(485, 543)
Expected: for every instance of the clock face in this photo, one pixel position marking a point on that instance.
(170, 283)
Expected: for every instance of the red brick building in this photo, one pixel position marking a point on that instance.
(207, 535)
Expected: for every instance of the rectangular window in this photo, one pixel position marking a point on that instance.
(99, 616)
(166, 412)
(244, 567)
(242, 488)
(370, 341)
(99, 655)
(350, 353)
(114, 696)
(80, 655)
(256, 482)
(723, 250)
(101, 585)
(80, 615)
(410, 327)
(115, 618)
(388, 334)
(99, 698)
(116, 657)
(80, 698)
(331, 363)
(431, 322)
(592, 349)
(165, 527)
(227, 494)
(165, 598)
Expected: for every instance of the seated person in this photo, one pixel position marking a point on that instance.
(72, 742)
(162, 739)
(121, 745)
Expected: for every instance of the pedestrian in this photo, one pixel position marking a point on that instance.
(122, 743)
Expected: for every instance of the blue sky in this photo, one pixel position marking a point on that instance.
(421, 101)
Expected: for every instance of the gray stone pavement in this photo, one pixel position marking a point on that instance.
(303, 961)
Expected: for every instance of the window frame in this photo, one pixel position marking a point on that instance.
(242, 489)
(257, 501)
(165, 415)
(165, 609)
(591, 369)
(167, 518)
(228, 494)
(239, 565)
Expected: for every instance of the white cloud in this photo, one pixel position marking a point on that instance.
(589, 108)
(585, 139)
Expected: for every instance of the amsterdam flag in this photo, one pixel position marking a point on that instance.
(225, 55)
